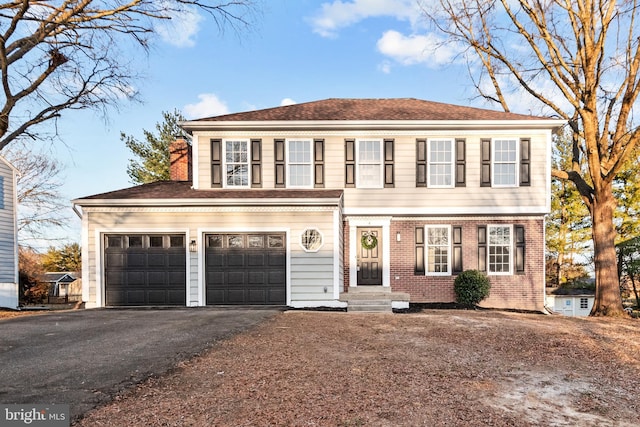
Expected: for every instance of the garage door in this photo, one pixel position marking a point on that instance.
(145, 269)
(245, 268)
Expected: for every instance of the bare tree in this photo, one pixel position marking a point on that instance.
(41, 205)
(58, 56)
(581, 60)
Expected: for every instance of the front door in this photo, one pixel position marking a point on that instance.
(369, 246)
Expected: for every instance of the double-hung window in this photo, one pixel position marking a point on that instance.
(505, 163)
(437, 250)
(300, 163)
(441, 158)
(500, 242)
(236, 157)
(369, 163)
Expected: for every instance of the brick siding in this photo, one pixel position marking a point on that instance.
(515, 291)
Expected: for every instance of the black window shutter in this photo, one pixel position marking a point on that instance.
(216, 163)
(256, 163)
(525, 162)
(421, 162)
(457, 249)
(419, 265)
(520, 249)
(485, 166)
(279, 163)
(388, 163)
(350, 162)
(482, 248)
(318, 154)
(461, 168)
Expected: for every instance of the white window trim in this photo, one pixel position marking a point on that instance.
(288, 163)
(516, 163)
(452, 163)
(426, 250)
(224, 163)
(381, 163)
(511, 250)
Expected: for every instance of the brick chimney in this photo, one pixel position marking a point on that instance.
(180, 160)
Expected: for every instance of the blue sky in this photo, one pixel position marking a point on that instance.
(297, 51)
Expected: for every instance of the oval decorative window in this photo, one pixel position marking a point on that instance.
(311, 240)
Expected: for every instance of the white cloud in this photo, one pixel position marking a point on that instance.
(181, 29)
(287, 101)
(208, 106)
(415, 49)
(338, 14)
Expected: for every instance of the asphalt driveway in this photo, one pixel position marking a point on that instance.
(83, 358)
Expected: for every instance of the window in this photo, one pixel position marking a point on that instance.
(440, 163)
(438, 239)
(311, 240)
(584, 303)
(236, 156)
(499, 245)
(505, 166)
(300, 167)
(369, 166)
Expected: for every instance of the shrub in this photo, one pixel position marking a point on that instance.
(471, 287)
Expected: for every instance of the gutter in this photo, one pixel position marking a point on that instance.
(204, 202)
(74, 207)
(371, 124)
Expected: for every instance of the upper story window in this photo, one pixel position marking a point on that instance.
(440, 160)
(369, 163)
(236, 156)
(505, 157)
(299, 163)
(505, 162)
(236, 163)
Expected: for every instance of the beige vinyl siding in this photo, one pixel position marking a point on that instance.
(7, 226)
(310, 272)
(405, 196)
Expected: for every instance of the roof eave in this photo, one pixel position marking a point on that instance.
(203, 125)
(312, 201)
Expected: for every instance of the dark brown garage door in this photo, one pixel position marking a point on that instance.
(246, 268)
(145, 269)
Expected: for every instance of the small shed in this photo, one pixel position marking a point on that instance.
(59, 282)
(570, 302)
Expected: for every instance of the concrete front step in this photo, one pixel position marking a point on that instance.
(370, 306)
(375, 299)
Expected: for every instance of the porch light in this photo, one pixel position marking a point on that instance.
(398, 236)
(193, 246)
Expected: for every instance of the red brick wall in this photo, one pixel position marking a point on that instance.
(180, 160)
(516, 291)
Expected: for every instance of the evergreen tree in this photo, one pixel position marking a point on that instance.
(151, 156)
(568, 226)
(67, 258)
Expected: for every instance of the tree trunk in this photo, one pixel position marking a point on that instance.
(608, 301)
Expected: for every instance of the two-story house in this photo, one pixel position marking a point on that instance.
(298, 205)
(8, 235)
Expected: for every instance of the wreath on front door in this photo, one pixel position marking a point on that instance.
(369, 241)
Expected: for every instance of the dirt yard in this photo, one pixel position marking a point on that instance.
(433, 368)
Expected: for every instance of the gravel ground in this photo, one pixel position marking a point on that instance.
(433, 368)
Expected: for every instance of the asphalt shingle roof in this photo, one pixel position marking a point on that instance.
(370, 109)
(183, 190)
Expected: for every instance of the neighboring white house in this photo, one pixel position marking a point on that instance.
(577, 303)
(8, 235)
